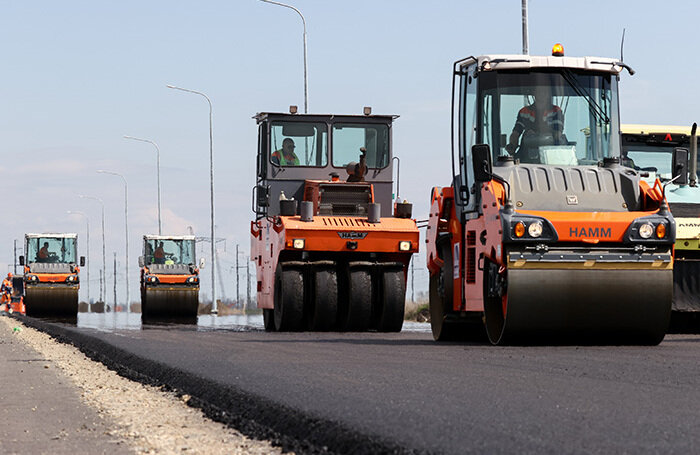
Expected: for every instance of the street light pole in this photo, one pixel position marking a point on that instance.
(103, 288)
(160, 232)
(126, 229)
(87, 221)
(214, 308)
(306, 82)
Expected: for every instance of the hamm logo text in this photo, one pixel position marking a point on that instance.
(589, 232)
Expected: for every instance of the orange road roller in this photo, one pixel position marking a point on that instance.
(331, 250)
(169, 278)
(543, 236)
(51, 274)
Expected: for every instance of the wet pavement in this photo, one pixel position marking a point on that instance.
(113, 321)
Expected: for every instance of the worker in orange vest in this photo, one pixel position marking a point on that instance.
(6, 289)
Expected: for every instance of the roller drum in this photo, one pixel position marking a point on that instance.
(171, 303)
(51, 301)
(686, 285)
(609, 306)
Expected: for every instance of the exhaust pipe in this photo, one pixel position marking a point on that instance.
(694, 155)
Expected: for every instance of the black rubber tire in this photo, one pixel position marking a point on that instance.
(269, 319)
(289, 300)
(440, 297)
(391, 307)
(324, 306)
(357, 308)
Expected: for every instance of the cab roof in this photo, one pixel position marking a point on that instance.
(168, 237)
(654, 129)
(263, 116)
(52, 234)
(526, 62)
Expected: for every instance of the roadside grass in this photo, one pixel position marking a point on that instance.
(417, 311)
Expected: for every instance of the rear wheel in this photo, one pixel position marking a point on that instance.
(269, 319)
(392, 301)
(324, 310)
(289, 300)
(441, 297)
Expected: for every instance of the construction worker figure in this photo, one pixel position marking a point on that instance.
(540, 123)
(6, 289)
(43, 255)
(357, 171)
(159, 254)
(286, 156)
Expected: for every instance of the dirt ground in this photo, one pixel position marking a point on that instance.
(145, 418)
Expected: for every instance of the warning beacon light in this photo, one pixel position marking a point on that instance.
(558, 50)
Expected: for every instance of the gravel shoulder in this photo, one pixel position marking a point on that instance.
(56, 400)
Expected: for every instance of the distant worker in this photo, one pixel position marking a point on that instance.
(43, 255)
(159, 254)
(286, 156)
(541, 120)
(357, 171)
(6, 290)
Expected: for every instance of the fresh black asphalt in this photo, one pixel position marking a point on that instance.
(399, 393)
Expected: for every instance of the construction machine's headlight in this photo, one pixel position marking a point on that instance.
(535, 229)
(298, 244)
(72, 279)
(152, 280)
(192, 280)
(519, 229)
(404, 246)
(661, 230)
(32, 278)
(646, 230)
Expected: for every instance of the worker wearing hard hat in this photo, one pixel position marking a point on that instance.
(159, 254)
(286, 156)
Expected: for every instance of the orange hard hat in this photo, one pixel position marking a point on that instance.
(9, 274)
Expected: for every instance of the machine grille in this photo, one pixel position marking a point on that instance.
(345, 200)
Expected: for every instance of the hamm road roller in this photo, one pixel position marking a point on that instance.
(331, 252)
(169, 278)
(650, 150)
(51, 274)
(543, 236)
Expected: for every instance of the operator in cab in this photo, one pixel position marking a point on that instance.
(286, 156)
(43, 254)
(540, 123)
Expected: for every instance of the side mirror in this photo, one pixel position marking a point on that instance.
(201, 263)
(679, 165)
(263, 192)
(142, 263)
(82, 261)
(481, 160)
(21, 260)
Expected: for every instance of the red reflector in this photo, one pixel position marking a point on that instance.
(668, 137)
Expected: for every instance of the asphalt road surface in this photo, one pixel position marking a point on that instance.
(371, 393)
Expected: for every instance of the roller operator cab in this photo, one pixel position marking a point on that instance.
(330, 249)
(654, 150)
(169, 278)
(544, 236)
(51, 274)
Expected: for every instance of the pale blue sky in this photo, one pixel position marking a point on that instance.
(78, 75)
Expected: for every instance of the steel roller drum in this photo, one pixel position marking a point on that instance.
(686, 280)
(612, 305)
(171, 303)
(45, 301)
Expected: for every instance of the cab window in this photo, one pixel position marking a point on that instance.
(349, 138)
(298, 144)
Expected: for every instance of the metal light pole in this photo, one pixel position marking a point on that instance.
(158, 174)
(104, 256)
(214, 308)
(526, 39)
(306, 82)
(87, 221)
(126, 229)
